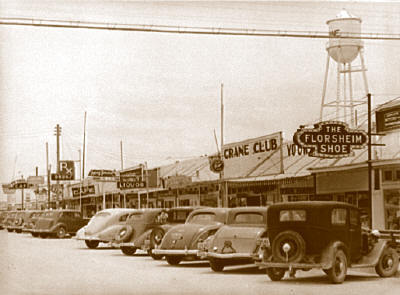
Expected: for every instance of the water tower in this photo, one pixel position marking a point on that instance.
(344, 50)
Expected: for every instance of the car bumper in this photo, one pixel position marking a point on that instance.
(180, 252)
(225, 255)
(290, 265)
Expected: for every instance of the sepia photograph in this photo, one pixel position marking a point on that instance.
(199, 147)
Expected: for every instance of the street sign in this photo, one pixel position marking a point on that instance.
(19, 184)
(35, 180)
(130, 182)
(331, 139)
(216, 164)
(67, 171)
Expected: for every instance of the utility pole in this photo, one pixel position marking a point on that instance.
(369, 160)
(122, 157)
(22, 194)
(57, 134)
(48, 168)
(84, 138)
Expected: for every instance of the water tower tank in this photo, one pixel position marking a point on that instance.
(344, 50)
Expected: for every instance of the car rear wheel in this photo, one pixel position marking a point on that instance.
(217, 265)
(337, 273)
(130, 251)
(275, 274)
(173, 260)
(61, 232)
(92, 244)
(154, 256)
(288, 246)
(388, 263)
(35, 235)
(9, 230)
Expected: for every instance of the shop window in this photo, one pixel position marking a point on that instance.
(397, 174)
(338, 216)
(387, 175)
(392, 209)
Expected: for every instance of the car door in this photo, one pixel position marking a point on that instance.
(354, 233)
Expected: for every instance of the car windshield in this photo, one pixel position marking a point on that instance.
(136, 216)
(249, 218)
(177, 216)
(202, 218)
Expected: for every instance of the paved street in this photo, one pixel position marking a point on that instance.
(50, 266)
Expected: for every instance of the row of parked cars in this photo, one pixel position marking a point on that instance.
(282, 237)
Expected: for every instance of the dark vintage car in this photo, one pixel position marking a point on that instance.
(30, 223)
(10, 220)
(18, 223)
(103, 226)
(235, 242)
(59, 223)
(3, 216)
(324, 235)
(181, 241)
(174, 216)
(29, 219)
(145, 225)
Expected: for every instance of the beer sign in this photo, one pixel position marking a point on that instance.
(331, 139)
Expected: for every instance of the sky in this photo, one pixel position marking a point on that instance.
(160, 93)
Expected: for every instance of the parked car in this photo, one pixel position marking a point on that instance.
(3, 216)
(59, 223)
(101, 227)
(131, 236)
(18, 221)
(180, 242)
(27, 220)
(30, 223)
(175, 216)
(9, 221)
(235, 242)
(324, 235)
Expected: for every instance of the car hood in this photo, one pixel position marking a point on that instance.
(242, 239)
(184, 235)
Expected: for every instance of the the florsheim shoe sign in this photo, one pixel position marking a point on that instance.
(331, 139)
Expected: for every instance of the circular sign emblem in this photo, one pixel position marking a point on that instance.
(217, 165)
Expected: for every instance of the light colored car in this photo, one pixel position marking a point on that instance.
(235, 242)
(103, 226)
(181, 241)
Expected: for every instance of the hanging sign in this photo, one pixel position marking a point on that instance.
(330, 139)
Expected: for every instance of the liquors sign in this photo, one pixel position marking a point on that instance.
(330, 139)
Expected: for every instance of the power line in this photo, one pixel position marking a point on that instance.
(188, 29)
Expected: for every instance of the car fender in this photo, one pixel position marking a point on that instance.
(372, 258)
(57, 225)
(139, 241)
(329, 251)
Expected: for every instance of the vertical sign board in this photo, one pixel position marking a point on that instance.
(67, 171)
(242, 158)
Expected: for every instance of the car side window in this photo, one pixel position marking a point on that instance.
(354, 219)
(339, 216)
(123, 217)
(292, 215)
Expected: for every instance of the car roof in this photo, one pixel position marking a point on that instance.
(310, 204)
(248, 209)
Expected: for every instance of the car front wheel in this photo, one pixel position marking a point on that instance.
(388, 263)
(173, 260)
(337, 273)
(130, 251)
(61, 232)
(275, 274)
(91, 244)
(217, 265)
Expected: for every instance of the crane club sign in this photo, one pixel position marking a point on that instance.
(331, 139)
